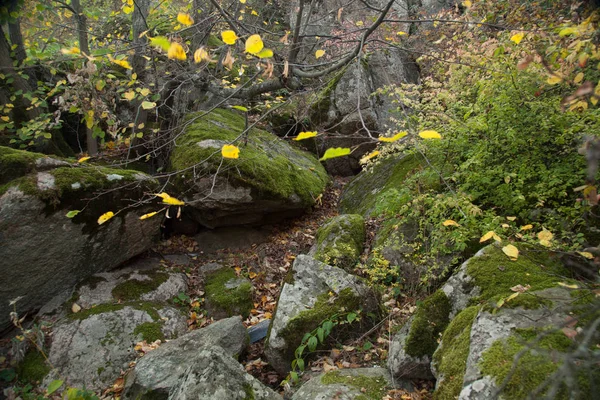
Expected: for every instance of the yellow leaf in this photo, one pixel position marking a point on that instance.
(511, 251)
(554, 79)
(369, 156)
(184, 19)
(360, 23)
(319, 54)
(167, 199)
(566, 285)
(130, 95)
(243, 1)
(127, 9)
(254, 44)
(567, 31)
(397, 136)
(545, 243)
(512, 296)
(122, 63)
(511, 218)
(105, 217)
(586, 254)
(430, 135)
(487, 236)
(517, 37)
(75, 308)
(89, 119)
(252, 275)
(305, 135)
(5, 118)
(148, 105)
(176, 52)
(545, 235)
(72, 50)
(254, 12)
(401, 33)
(578, 78)
(497, 238)
(526, 227)
(83, 159)
(450, 222)
(145, 92)
(161, 41)
(230, 151)
(335, 152)
(146, 216)
(505, 226)
(229, 37)
(265, 53)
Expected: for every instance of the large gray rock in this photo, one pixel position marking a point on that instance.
(215, 375)
(347, 384)
(340, 241)
(158, 373)
(44, 253)
(94, 347)
(270, 179)
(313, 292)
(402, 364)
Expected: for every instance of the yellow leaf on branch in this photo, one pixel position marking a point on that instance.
(185, 19)
(105, 217)
(229, 37)
(167, 199)
(369, 156)
(430, 135)
(149, 215)
(176, 52)
(397, 136)
(450, 222)
(122, 63)
(254, 44)
(305, 135)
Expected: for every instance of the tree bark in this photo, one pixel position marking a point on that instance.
(84, 47)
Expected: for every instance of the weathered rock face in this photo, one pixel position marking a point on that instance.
(214, 374)
(489, 326)
(347, 384)
(314, 291)
(270, 179)
(161, 371)
(118, 309)
(44, 253)
(340, 241)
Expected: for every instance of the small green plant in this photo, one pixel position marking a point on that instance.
(316, 337)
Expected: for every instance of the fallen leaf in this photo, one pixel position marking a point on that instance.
(511, 251)
(75, 308)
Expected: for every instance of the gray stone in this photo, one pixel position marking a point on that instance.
(45, 163)
(310, 280)
(215, 375)
(460, 287)
(45, 181)
(93, 351)
(178, 259)
(403, 365)
(345, 389)
(159, 372)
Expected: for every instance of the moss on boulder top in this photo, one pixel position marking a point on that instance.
(270, 175)
(340, 241)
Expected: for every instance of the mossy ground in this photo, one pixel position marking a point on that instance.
(451, 357)
(150, 331)
(263, 163)
(33, 368)
(133, 289)
(340, 241)
(235, 301)
(430, 320)
(371, 387)
(496, 274)
(15, 163)
(534, 366)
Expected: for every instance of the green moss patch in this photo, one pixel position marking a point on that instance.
(16, 163)
(430, 320)
(532, 368)
(372, 387)
(133, 289)
(266, 163)
(451, 358)
(150, 331)
(340, 241)
(33, 369)
(495, 274)
(234, 301)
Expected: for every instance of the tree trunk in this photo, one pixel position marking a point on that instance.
(16, 38)
(84, 46)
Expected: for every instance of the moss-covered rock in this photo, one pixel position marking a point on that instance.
(412, 347)
(340, 241)
(33, 368)
(450, 359)
(316, 293)
(269, 178)
(44, 252)
(227, 295)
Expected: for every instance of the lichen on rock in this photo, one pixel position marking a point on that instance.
(340, 241)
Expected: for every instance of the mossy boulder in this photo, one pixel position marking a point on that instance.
(271, 179)
(354, 383)
(226, 294)
(340, 241)
(44, 252)
(313, 293)
(413, 346)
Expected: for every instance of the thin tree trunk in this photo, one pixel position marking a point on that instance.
(16, 38)
(84, 46)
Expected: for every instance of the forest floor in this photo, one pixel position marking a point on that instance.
(267, 265)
